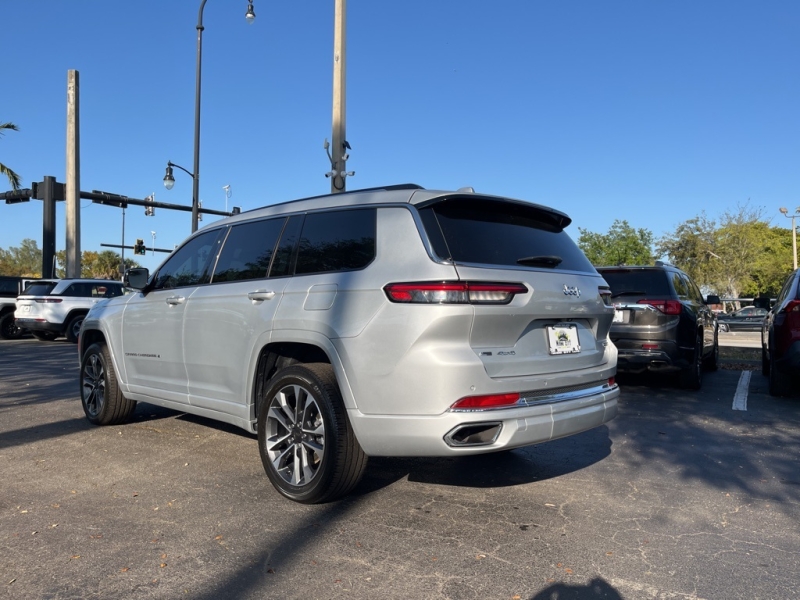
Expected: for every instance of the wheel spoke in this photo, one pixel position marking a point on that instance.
(278, 415)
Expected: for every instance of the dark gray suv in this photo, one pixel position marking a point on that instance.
(662, 322)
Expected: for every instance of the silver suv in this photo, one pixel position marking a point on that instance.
(50, 309)
(387, 322)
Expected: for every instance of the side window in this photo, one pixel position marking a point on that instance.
(190, 263)
(694, 291)
(681, 289)
(248, 250)
(284, 255)
(341, 240)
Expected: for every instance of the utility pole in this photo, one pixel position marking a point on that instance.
(339, 98)
(73, 179)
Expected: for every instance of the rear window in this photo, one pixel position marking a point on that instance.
(336, 241)
(39, 289)
(491, 232)
(636, 282)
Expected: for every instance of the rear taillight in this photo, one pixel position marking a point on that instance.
(605, 294)
(48, 300)
(453, 292)
(668, 307)
(793, 313)
(488, 401)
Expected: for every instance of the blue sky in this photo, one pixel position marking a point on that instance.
(649, 111)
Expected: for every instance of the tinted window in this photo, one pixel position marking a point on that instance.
(680, 285)
(86, 289)
(336, 241)
(190, 263)
(284, 255)
(9, 287)
(499, 233)
(39, 289)
(248, 251)
(637, 282)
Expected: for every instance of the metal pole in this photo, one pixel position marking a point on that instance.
(73, 178)
(48, 226)
(196, 175)
(339, 96)
(122, 264)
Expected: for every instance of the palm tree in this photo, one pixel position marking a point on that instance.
(13, 178)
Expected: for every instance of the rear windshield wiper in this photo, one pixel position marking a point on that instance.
(629, 293)
(540, 261)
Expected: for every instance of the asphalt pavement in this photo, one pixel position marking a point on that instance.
(680, 497)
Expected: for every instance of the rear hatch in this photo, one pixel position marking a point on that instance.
(561, 323)
(33, 298)
(645, 307)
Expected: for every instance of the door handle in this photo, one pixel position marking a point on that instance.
(175, 300)
(260, 295)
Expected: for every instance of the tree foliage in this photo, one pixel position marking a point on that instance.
(743, 256)
(622, 245)
(13, 178)
(25, 260)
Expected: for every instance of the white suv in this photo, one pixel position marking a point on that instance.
(386, 322)
(53, 308)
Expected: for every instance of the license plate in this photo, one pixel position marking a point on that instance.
(619, 316)
(563, 339)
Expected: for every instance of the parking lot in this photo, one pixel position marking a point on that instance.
(683, 495)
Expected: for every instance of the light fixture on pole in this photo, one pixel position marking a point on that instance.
(786, 214)
(227, 189)
(169, 180)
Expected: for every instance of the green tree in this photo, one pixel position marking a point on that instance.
(24, 260)
(96, 265)
(622, 245)
(741, 257)
(13, 178)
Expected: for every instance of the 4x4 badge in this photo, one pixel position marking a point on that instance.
(572, 290)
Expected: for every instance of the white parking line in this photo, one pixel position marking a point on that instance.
(740, 397)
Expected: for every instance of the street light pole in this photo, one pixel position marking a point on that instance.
(339, 154)
(198, 72)
(786, 214)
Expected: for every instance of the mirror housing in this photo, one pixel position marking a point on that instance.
(761, 302)
(136, 279)
(713, 299)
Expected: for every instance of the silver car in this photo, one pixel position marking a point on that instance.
(387, 322)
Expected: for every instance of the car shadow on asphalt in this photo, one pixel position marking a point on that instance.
(496, 470)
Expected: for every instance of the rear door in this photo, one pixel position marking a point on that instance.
(227, 318)
(562, 323)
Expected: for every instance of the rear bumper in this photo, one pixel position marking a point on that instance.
(411, 435)
(632, 358)
(35, 325)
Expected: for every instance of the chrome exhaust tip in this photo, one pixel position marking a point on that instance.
(474, 434)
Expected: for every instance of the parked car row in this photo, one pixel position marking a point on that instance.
(53, 308)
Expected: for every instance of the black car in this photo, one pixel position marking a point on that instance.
(780, 340)
(749, 318)
(662, 322)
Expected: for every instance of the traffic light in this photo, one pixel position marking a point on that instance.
(150, 211)
(139, 247)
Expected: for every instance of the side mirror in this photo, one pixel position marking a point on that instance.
(761, 302)
(136, 279)
(713, 299)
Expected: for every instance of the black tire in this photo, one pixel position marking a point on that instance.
(101, 397)
(712, 362)
(306, 442)
(779, 383)
(8, 327)
(74, 328)
(764, 362)
(691, 378)
(44, 336)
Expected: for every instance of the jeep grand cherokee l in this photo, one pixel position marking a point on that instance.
(387, 322)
